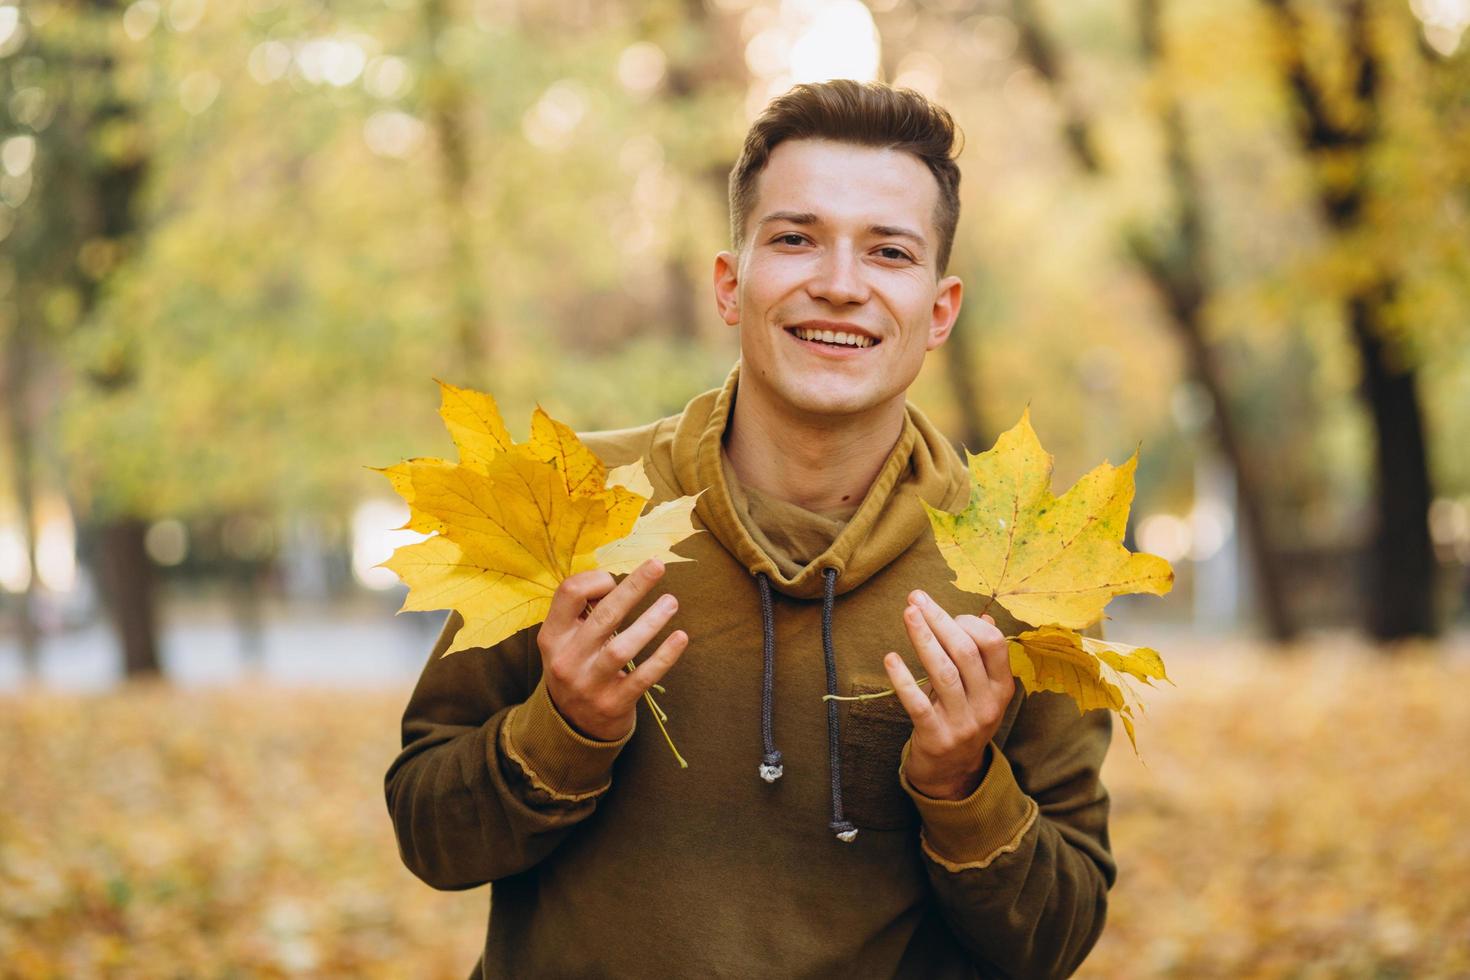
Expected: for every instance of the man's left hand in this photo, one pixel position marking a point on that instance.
(970, 687)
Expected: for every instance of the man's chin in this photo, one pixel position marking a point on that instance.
(834, 403)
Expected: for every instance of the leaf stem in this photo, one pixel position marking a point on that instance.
(880, 694)
(659, 715)
(868, 697)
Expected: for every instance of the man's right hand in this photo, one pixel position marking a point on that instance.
(582, 660)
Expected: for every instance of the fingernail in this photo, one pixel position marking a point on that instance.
(667, 601)
(923, 597)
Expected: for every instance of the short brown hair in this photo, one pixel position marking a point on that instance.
(864, 113)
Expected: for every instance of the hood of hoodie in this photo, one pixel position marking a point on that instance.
(921, 466)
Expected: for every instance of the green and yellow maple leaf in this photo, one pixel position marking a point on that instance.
(1047, 560)
(1054, 563)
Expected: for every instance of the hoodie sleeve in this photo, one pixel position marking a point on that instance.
(490, 777)
(1021, 868)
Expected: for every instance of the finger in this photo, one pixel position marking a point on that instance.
(994, 651)
(658, 663)
(629, 642)
(944, 676)
(960, 646)
(571, 598)
(609, 613)
(910, 695)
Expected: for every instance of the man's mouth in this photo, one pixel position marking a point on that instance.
(832, 338)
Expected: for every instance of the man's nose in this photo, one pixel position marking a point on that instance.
(839, 277)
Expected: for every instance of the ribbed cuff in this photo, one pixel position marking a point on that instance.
(555, 757)
(972, 832)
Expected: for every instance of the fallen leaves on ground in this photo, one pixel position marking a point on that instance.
(1299, 816)
(159, 833)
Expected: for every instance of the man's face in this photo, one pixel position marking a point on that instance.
(828, 248)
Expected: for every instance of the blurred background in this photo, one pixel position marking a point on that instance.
(238, 241)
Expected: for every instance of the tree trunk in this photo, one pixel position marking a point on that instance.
(1400, 584)
(1400, 579)
(959, 360)
(1265, 561)
(247, 598)
(127, 583)
(448, 121)
(114, 181)
(18, 413)
(680, 312)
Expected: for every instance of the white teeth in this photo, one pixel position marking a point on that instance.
(835, 337)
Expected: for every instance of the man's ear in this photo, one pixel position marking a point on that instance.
(727, 287)
(951, 292)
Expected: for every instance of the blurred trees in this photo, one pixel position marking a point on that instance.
(69, 97)
(1364, 115)
(1174, 259)
(243, 239)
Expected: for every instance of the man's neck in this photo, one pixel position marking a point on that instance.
(822, 465)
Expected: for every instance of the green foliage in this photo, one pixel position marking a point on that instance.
(301, 256)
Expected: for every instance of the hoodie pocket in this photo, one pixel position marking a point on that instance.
(873, 736)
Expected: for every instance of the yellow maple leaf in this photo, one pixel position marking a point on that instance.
(582, 472)
(440, 575)
(516, 524)
(651, 537)
(400, 476)
(474, 423)
(1054, 563)
(1094, 673)
(634, 477)
(511, 521)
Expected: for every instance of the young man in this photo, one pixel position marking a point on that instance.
(959, 829)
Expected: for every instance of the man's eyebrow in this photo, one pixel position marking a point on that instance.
(807, 218)
(893, 231)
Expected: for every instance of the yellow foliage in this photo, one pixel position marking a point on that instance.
(474, 423)
(1047, 560)
(1054, 562)
(1094, 673)
(511, 521)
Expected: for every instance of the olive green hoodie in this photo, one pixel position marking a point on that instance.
(609, 860)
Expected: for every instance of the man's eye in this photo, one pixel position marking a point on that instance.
(783, 239)
(895, 253)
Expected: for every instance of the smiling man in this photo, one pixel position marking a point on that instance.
(958, 829)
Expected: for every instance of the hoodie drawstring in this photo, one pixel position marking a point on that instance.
(843, 828)
(771, 768)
